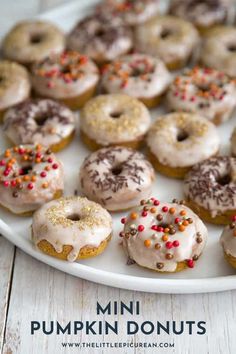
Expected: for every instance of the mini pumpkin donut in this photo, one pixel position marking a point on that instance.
(219, 50)
(171, 39)
(31, 41)
(44, 121)
(137, 75)
(70, 78)
(228, 242)
(30, 175)
(164, 237)
(111, 120)
(203, 14)
(131, 13)
(71, 228)
(100, 39)
(116, 177)
(178, 141)
(210, 189)
(204, 91)
(14, 85)
(233, 143)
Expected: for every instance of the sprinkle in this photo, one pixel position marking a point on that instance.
(181, 228)
(43, 174)
(169, 245)
(183, 212)
(159, 217)
(156, 202)
(144, 214)
(157, 246)
(133, 216)
(123, 221)
(13, 183)
(176, 243)
(172, 210)
(15, 194)
(190, 263)
(165, 209)
(30, 186)
(169, 256)
(154, 227)
(2, 163)
(147, 243)
(160, 265)
(45, 185)
(153, 210)
(140, 228)
(55, 166)
(6, 183)
(177, 220)
(165, 238)
(234, 218)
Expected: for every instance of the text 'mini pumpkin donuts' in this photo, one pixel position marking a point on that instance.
(164, 237)
(44, 121)
(210, 189)
(169, 38)
(71, 228)
(116, 177)
(70, 78)
(31, 41)
(228, 242)
(111, 120)
(177, 141)
(207, 92)
(30, 175)
(137, 75)
(100, 38)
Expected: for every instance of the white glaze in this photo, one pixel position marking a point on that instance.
(116, 192)
(178, 46)
(228, 241)
(14, 84)
(202, 142)
(20, 123)
(215, 53)
(233, 143)
(185, 94)
(51, 223)
(96, 120)
(148, 257)
(18, 43)
(201, 186)
(147, 76)
(56, 85)
(30, 199)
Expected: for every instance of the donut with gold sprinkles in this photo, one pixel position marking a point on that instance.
(205, 91)
(164, 237)
(228, 242)
(71, 228)
(30, 175)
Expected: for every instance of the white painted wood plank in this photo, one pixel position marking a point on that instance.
(6, 263)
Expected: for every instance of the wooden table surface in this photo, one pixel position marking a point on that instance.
(30, 290)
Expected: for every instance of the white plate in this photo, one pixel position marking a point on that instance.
(211, 272)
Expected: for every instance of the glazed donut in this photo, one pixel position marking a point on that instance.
(116, 177)
(71, 228)
(178, 141)
(171, 39)
(138, 75)
(203, 14)
(14, 85)
(210, 189)
(203, 91)
(31, 41)
(70, 77)
(219, 50)
(132, 13)
(44, 121)
(228, 242)
(233, 143)
(165, 237)
(100, 39)
(111, 120)
(30, 175)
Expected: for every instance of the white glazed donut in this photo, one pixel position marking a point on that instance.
(74, 226)
(219, 50)
(43, 121)
(131, 13)
(233, 143)
(116, 177)
(69, 77)
(169, 38)
(202, 14)
(228, 242)
(165, 237)
(100, 39)
(137, 75)
(178, 141)
(30, 176)
(114, 120)
(204, 91)
(31, 41)
(14, 84)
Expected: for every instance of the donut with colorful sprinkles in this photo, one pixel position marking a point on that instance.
(228, 242)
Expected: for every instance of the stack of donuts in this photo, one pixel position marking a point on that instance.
(116, 66)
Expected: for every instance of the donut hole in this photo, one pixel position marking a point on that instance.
(224, 180)
(182, 135)
(41, 119)
(116, 170)
(166, 33)
(74, 217)
(116, 114)
(100, 32)
(36, 38)
(26, 170)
